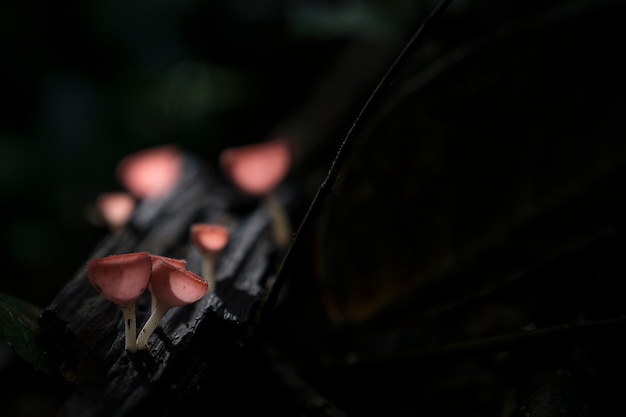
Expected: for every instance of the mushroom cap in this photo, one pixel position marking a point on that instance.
(258, 168)
(120, 279)
(180, 263)
(151, 173)
(115, 208)
(209, 238)
(173, 286)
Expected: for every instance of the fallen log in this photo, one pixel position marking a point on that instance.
(88, 330)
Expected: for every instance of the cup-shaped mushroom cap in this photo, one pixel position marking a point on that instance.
(173, 286)
(180, 263)
(258, 168)
(121, 279)
(115, 208)
(151, 173)
(209, 238)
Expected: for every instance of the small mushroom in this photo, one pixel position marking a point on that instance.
(257, 169)
(122, 279)
(151, 173)
(210, 240)
(181, 263)
(171, 286)
(115, 209)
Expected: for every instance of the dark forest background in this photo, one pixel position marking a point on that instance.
(84, 83)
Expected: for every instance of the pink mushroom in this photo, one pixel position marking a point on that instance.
(122, 279)
(151, 173)
(210, 240)
(181, 263)
(256, 170)
(115, 209)
(171, 286)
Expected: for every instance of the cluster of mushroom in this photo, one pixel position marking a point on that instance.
(149, 174)
(152, 173)
(122, 279)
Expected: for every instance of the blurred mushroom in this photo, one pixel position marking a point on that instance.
(256, 170)
(210, 240)
(151, 173)
(115, 209)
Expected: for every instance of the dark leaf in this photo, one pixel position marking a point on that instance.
(19, 328)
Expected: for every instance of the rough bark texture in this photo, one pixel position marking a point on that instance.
(89, 329)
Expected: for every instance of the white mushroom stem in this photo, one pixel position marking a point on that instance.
(153, 302)
(158, 312)
(130, 326)
(281, 226)
(208, 267)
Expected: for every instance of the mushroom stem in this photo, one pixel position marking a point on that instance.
(158, 312)
(153, 302)
(130, 326)
(208, 267)
(281, 226)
